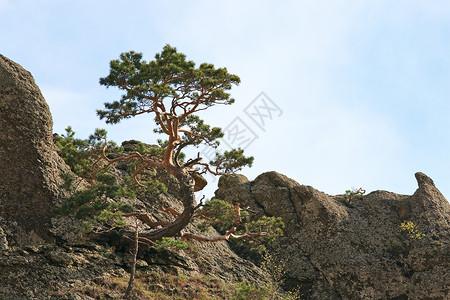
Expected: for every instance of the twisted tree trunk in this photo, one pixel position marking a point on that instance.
(188, 200)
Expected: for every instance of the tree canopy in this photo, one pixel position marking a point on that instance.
(173, 90)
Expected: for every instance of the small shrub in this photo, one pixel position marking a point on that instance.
(276, 269)
(272, 225)
(351, 195)
(219, 213)
(411, 230)
(79, 154)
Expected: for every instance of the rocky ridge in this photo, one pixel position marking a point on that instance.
(338, 250)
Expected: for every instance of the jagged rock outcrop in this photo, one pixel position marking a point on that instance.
(342, 251)
(30, 166)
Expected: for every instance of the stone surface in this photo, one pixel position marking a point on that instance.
(90, 271)
(428, 206)
(341, 251)
(3, 240)
(30, 171)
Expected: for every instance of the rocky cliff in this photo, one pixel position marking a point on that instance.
(338, 250)
(335, 249)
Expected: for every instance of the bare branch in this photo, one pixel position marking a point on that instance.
(208, 168)
(200, 203)
(192, 162)
(225, 237)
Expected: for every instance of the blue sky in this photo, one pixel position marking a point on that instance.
(363, 87)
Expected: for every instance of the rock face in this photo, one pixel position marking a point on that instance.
(92, 271)
(338, 250)
(30, 167)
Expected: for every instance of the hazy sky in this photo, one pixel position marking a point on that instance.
(356, 93)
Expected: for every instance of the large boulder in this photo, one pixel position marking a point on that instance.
(30, 167)
(338, 250)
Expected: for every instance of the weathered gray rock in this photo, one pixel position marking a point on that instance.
(49, 272)
(30, 167)
(342, 251)
(428, 206)
(90, 271)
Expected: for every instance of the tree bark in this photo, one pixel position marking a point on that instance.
(187, 198)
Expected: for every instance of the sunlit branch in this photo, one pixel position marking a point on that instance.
(225, 237)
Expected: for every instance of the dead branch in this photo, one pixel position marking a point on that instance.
(225, 237)
(192, 162)
(360, 191)
(201, 203)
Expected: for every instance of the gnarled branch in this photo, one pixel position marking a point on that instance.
(225, 237)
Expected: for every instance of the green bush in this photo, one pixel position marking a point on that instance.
(80, 154)
(351, 195)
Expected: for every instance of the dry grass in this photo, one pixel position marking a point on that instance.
(151, 285)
